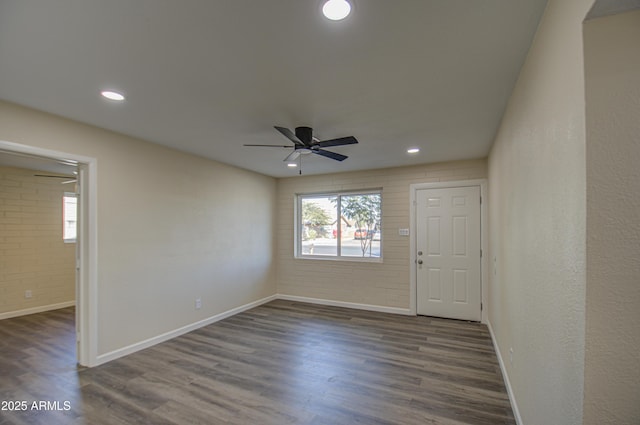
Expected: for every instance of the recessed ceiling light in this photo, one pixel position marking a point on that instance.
(336, 10)
(292, 165)
(413, 150)
(112, 95)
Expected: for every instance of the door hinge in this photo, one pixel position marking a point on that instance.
(480, 306)
(481, 199)
(480, 253)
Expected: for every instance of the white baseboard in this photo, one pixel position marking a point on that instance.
(505, 375)
(369, 307)
(33, 310)
(121, 352)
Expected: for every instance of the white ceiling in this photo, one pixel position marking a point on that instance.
(207, 76)
(47, 165)
(612, 7)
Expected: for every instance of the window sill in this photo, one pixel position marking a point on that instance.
(340, 259)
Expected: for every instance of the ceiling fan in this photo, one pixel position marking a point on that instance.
(304, 143)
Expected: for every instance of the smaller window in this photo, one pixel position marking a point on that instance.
(70, 217)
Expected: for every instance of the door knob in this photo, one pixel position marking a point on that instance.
(419, 261)
(419, 252)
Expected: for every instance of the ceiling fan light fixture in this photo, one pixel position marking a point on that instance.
(336, 10)
(112, 95)
(413, 150)
(292, 165)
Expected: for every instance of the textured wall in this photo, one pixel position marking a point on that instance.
(537, 224)
(33, 255)
(612, 74)
(171, 227)
(381, 284)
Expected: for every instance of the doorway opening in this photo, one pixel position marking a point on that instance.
(84, 261)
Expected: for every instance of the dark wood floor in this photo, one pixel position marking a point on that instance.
(281, 363)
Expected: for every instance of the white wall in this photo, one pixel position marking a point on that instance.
(383, 284)
(612, 365)
(171, 227)
(537, 204)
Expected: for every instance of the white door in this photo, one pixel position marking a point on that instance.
(448, 252)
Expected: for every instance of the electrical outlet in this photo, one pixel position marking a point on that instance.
(511, 355)
(27, 293)
(198, 303)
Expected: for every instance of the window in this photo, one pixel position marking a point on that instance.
(339, 225)
(70, 217)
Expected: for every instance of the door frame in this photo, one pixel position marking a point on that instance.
(87, 240)
(484, 240)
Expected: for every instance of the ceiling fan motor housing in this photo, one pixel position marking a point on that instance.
(305, 134)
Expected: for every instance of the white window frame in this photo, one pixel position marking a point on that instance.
(64, 217)
(298, 219)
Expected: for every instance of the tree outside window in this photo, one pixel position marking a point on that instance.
(365, 211)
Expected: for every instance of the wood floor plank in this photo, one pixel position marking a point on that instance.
(281, 363)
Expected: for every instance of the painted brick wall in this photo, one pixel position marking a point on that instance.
(33, 255)
(383, 284)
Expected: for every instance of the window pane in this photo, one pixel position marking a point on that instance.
(363, 214)
(70, 214)
(318, 226)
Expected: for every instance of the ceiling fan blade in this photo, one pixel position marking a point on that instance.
(292, 156)
(289, 135)
(349, 140)
(329, 154)
(52, 176)
(271, 146)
